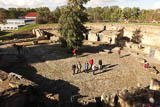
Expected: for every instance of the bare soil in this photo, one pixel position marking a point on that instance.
(49, 65)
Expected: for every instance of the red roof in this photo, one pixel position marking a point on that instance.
(32, 14)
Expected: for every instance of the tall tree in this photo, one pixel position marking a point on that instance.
(115, 13)
(135, 12)
(142, 15)
(44, 15)
(90, 12)
(56, 14)
(126, 13)
(3, 15)
(71, 23)
(137, 36)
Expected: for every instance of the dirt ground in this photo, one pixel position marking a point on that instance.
(49, 66)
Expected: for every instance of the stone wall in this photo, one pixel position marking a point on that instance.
(151, 34)
(92, 37)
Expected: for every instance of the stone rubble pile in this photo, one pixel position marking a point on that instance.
(134, 97)
(15, 91)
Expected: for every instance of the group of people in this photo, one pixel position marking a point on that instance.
(77, 68)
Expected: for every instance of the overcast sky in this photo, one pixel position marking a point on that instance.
(52, 4)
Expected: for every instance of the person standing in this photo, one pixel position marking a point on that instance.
(100, 64)
(119, 52)
(74, 52)
(73, 68)
(79, 66)
(86, 67)
(146, 65)
(94, 68)
(91, 63)
(110, 41)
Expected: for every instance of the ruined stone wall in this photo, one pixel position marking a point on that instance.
(92, 37)
(151, 34)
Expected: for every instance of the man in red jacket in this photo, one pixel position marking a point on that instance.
(74, 52)
(91, 63)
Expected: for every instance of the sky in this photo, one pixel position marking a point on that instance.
(52, 4)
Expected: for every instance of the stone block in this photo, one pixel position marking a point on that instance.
(3, 76)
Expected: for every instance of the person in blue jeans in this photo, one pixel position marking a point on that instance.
(86, 67)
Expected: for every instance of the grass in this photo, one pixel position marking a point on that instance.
(20, 30)
(150, 24)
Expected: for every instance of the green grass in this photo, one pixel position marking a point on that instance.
(150, 24)
(20, 30)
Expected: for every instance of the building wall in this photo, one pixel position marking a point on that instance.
(20, 21)
(30, 17)
(8, 27)
(92, 37)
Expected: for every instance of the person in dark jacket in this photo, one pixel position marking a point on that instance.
(73, 68)
(100, 64)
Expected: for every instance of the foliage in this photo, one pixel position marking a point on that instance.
(3, 15)
(71, 23)
(108, 13)
(116, 14)
(137, 36)
(56, 14)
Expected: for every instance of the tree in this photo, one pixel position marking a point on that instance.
(44, 15)
(126, 13)
(56, 14)
(71, 23)
(90, 14)
(3, 15)
(115, 13)
(142, 15)
(137, 36)
(135, 12)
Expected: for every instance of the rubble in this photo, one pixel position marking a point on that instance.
(16, 91)
(3, 76)
(134, 96)
(13, 80)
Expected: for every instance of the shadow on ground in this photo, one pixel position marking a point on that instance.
(45, 52)
(125, 56)
(10, 61)
(63, 89)
(21, 64)
(106, 68)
